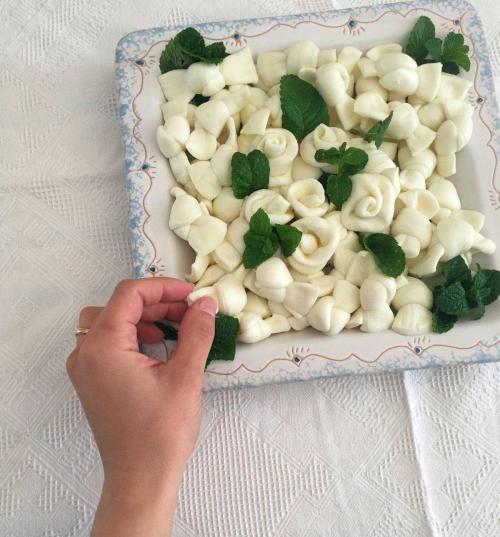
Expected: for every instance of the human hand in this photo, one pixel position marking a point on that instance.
(145, 414)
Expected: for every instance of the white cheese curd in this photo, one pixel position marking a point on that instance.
(204, 78)
(175, 87)
(307, 198)
(332, 81)
(198, 268)
(329, 282)
(239, 68)
(231, 295)
(317, 245)
(253, 328)
(370, 207)
(271, 66)
(173, 135)
(280, 147)
(272, 278)
(325, 317)
(206, 233)
(275, 205)
(412, 320)
(301, 54)
(300, 298)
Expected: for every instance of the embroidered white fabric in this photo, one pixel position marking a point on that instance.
(414, 454)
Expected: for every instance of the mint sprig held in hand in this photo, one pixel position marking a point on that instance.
(349, 161)
(387, 254)
(224, 343)
(462, 295)
(249, 173)
(187, 47)
(452, 51)
(377, 132)
(302, 106)
(263, 240)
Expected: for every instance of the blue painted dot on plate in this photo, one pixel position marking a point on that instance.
(480, 100)
(152, 269)
(139, 62)
(418, 350)
(352, 23)
(296, 359)
(236, 35)
(145, 166)
(456, 22)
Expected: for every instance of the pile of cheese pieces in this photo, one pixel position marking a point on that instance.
(413, 200)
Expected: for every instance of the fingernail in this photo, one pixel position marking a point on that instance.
(207, 305)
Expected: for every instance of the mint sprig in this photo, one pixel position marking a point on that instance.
(386, 252)
(462, 295)
(451, 51)
(263, 240)
(224, 343)
(249, 173)
(377, 133)
(349, 161)
(187, 47)
(303, 108)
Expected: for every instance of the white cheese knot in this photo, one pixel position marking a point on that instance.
(173, 135)
(307, 198)
(272, 278)
(326, 317)
(271, 66)
(275, 205)
(302, 54)
(320, 240)
(204, 78)
(280, 147)
(370, 207)
(322, 137)
(239, 68)
(413, 320)
(332, 81)
(253, 328)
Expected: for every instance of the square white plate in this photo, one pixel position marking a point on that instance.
(157, 251)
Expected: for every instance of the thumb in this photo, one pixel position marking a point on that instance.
(196, 333)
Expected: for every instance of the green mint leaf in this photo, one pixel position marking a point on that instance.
(456, 270)
(260, 223)
(377, 132)
(338, 189)
(492, 282)
(423, 30)
(442, 322)
(452, 300)
(323, 179)
(435, 48)
(386, 252)
(302, 106)
(260, 241)
(328, 156)
(456, 51)
(352, 160)
(224, 343)
(349, 161)
(249, 173)
(450, 68)
(215, 52)
(258, 248)
(187, 47)
(476, 297)
(199, 99)
(289, 238)
(169, 331)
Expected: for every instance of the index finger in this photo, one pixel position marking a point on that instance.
(126, 305)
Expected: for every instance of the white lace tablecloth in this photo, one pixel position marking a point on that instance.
(406, 455)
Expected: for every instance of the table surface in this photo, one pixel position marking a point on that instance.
(414, 454)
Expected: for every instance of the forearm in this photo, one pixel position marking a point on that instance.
(130, 514)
